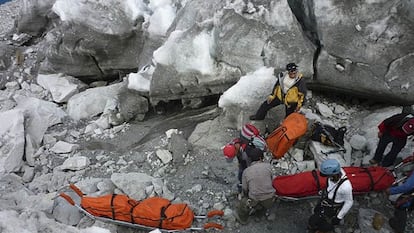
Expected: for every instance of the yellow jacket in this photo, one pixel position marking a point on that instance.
(295, 94)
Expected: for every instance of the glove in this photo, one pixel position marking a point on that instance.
(335, 221)
(380, 134)
(270, 99)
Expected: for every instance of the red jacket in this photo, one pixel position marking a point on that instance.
(392, 125)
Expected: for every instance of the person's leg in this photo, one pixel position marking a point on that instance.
(382, 144)
(317, 223)
(242, 212)
(264, 108)
(267, 205)
(399, 221)
(291, 109)
(397, 145)
(239, 176)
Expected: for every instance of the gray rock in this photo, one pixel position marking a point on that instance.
(384, 31)
(12, 141)
(75, 163)
(133, 184)
(90, 53)
(62, 147)
(324, 110)
(131, 104)
(60, 86)
(6, 53)
(92, 101)
(34, 16)
(358, 142)
(179, 148)
(66, 213)
(365, 217)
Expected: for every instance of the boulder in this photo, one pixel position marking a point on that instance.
(12, 141)
(367, 49)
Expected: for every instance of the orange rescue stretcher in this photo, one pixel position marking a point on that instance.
(149, 214)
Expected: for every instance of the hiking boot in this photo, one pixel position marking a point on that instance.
(240, 220)
(373, 162)
(393, 224)
(252, 117)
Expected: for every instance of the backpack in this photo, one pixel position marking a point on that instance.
(283, 137)
(328, 135)
(407, 124)
(247, 133)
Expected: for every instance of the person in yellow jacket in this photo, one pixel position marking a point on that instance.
(290, 90)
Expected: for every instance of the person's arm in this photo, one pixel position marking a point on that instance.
(405, 187)
(302, 92)
(381, 128)
(346, 194)
(272, 95)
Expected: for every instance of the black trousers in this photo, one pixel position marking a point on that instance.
(265, 107)
(397, 145)
(399, 221)
(321, 219)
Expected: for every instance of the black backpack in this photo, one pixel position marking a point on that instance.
(328, 135)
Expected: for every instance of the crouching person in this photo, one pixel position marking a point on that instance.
(257, 187)
(403, 205)
(336, 200)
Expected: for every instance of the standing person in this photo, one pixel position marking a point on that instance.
(257, 187)
(290, 90)
(403, 204)
(336, 199)
(395, 130)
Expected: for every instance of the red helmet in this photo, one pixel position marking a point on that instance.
(229, 151)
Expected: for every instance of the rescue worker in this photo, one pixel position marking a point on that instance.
(395, 130)
(290, 90)
(336, 200)
(257, 186)
(403, 205)
(237, 148)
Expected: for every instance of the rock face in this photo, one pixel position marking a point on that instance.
(345, 47)
(87, 44)
(366, 48)
(34, 16)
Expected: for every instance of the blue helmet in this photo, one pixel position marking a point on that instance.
(330, 167)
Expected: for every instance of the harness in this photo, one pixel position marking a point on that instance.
(328, 207)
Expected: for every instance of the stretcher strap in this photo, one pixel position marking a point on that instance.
(316, 177)
(337, 187)
(370, 179)
(112, 206)
(215, 213)
(131, 212)
(162, 214)
(213, 225)
(76, 190)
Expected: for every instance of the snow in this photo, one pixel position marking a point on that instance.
(141, 81)
(250, 90)
(186, 57)
(161, 19)
(104, 16)
(252, 87)
(138, 82)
